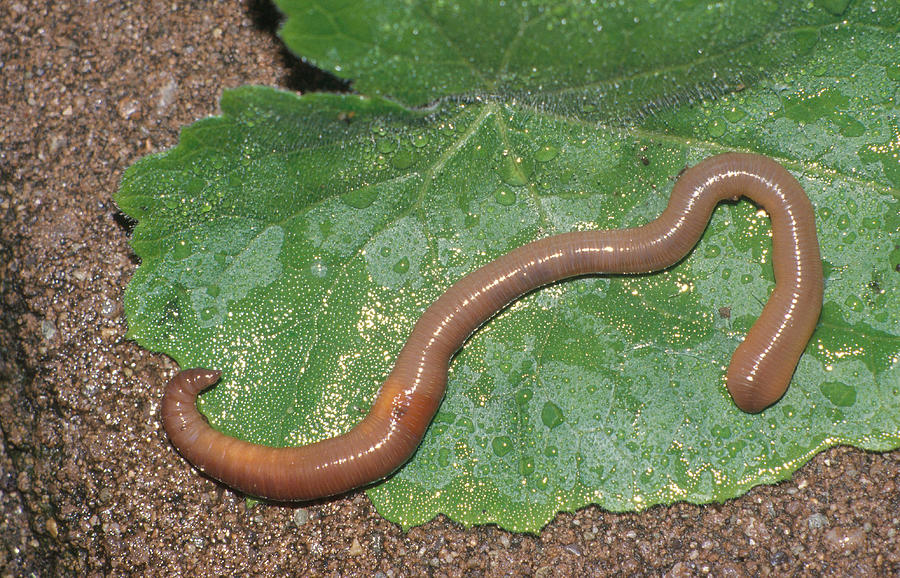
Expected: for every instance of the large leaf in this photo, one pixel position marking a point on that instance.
(293, 242)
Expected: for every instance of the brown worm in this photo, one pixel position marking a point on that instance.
(759, 373)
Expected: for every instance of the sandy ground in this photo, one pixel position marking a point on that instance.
(88, 482)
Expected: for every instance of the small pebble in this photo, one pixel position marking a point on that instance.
(778, 558)
(48, 329)
(301, 516)
(129, 107)
(109, 308)
(680, 570)
(845, 539)
(817, 521)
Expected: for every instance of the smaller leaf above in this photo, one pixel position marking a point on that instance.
(608, 59)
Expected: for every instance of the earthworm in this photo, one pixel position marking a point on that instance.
(759, 373)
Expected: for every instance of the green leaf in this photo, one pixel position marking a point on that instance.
(294, 241)
(621, 57)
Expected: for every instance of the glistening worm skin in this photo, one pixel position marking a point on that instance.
(759, 373)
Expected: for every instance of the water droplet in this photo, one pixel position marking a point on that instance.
(504, 197)
(526, 466)
(836, 7)
(401, 266)
(839, 394)
(444, 457)
(213, 291)
(445, 417)
(419, 139)
(546, 154)
(734, 114)
(501, 445)
(871, 223)
(849, 126)
(385, 251)
(360, 198)
(386, 146)
(207, 313)
(403, 159)
(523, 396)
(551, 451)
(181, 251)
(853, 303)
(716, 128)
(551, 415)
(318, 268)
(513, 171)
(466, 424)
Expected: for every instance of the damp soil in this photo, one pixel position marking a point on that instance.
(88, 482)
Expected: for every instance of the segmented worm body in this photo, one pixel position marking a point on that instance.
(758, 375)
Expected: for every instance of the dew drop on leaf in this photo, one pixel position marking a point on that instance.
(181, 251)
(504, 197)
(403, 159)
(360, 198)
(853, 303)
(467, 424)
(526, 465)
(318, 268)
(551, 415)
(734, 114)
(501, 445)
(401, 266)
(721, 431)
(546, 154)
(512, 170)
(841, 395)
(386, 145)
(716, 128)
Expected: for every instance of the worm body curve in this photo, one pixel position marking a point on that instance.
(758, 375)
